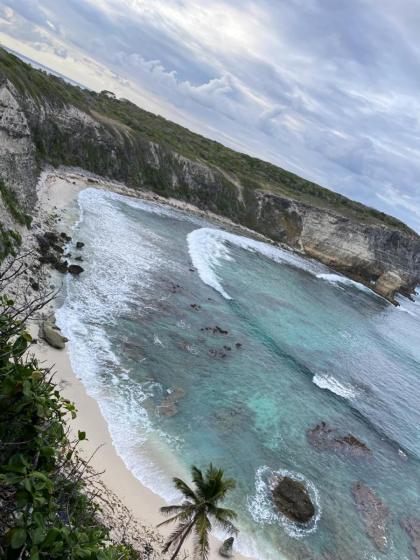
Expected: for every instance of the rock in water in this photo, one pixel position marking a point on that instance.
(388, 284)
(323, 437)
(75, 269)
(292, 499)
(51, 334)
(374, 513)
(412, 527)
(226, 550)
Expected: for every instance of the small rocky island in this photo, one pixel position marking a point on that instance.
(292, 499)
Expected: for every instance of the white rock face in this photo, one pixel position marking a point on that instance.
(17, 151)
(388, 283)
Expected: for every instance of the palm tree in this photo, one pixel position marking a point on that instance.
(199, 510)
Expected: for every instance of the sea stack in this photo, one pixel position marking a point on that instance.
(292, 499)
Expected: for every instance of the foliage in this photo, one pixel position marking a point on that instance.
(44, 510)
(10, 242)
(135, 125)
(12, 204)
(199, 509)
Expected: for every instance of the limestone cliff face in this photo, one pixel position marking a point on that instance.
(17, 152)
(385, 258)
(33, 132)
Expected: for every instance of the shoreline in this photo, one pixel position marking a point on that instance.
(58, 191)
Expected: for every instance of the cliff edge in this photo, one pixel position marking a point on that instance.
(44, 120)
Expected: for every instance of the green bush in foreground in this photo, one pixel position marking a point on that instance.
(44, 513)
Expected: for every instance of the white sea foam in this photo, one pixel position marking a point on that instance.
(157, 341)
(328, 382)
(405, 310)
(262, 508)
(118, 253)
(338, 279)
(208, 247)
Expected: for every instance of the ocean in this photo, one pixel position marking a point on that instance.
(201, 345)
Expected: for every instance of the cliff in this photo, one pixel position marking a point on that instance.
(45, 120)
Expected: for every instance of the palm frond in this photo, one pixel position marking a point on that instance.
(176, 535)
(227, 526)
(199, 481)
(184, 489)
(169, 510)
(223, 518)
(224, 514)
(181, 517)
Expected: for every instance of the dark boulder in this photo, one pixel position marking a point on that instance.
(75, 269)
(61, 266)
(292, 499)
(226, 550)
(80, 245)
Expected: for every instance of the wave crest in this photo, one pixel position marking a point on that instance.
(208, 248)
(329, 383)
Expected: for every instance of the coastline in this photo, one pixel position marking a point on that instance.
(57, 196)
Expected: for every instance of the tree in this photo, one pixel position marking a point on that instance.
(198, 511)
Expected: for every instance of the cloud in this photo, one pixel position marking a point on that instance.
(326, 89)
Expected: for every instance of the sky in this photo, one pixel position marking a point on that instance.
(328, 89)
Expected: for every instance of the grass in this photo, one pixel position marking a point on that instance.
(12, 204)
(10, 242)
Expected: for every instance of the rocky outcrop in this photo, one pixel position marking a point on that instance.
(412, 526)
(386, 257)
(169, 404)
(388, 284)
(75, 269)
(17, 150)
(374, 514)
(292, 499)
(226, 550)
(52, 334)
(323, 437)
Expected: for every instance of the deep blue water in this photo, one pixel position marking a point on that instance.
(303, 346)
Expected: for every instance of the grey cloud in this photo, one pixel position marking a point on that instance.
(328, 90)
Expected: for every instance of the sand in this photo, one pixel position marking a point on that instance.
(57, 193)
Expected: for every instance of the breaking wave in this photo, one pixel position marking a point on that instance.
(91, 308)
(329, 383)
(334, 278)
(208, 247)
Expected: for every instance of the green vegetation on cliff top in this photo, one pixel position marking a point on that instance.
(252, 173)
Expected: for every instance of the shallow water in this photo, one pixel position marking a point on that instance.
(303, 345)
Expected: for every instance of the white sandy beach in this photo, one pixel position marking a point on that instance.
(57, 195)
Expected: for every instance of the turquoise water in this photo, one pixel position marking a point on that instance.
(303, 346)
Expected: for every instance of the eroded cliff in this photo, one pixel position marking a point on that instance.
(67, 126)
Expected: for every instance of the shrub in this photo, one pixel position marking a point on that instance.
(12, 204)
(45, 512)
